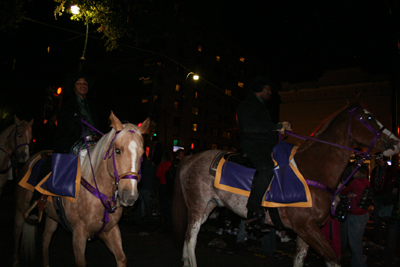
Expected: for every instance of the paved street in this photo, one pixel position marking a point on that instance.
(149, 246)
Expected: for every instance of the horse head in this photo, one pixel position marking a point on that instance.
(21, 139)
(365, 130)
(125, 165)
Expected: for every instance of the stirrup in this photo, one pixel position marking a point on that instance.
(33, 219)
(40, 204)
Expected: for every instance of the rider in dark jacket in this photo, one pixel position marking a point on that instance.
(258, 134)
(69, 131)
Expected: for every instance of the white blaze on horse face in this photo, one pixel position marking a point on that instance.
(396, 148)
(133, 149)
(26, 148)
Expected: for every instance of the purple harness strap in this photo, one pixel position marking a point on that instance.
(365, 155)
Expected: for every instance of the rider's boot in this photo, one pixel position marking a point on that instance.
(34, 214)
(256, 221)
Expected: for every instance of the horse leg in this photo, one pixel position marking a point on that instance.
(113, 241)
(18, 226)
(3, 180)
(22, 197)
(301, 252)
(197, 216)
(79, 238)
(51, 226)
(312, 235)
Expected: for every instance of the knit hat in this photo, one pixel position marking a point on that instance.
(259, 82)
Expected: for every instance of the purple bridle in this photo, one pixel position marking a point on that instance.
(109, 203)
(14, 155)
(365, 155)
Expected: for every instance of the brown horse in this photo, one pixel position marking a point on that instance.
(14, 147)
(123, 147)
(317, 161)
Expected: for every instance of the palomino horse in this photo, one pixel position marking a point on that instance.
(14, 147)
(112, 167)
(317, 161)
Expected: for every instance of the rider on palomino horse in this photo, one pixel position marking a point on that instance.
(69, 133)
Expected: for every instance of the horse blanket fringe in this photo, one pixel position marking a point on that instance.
(63, 181)
(288, 187)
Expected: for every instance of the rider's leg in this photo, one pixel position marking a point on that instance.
(38, 202)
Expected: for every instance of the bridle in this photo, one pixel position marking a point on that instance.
(109, 203)
(15, 153)
(365, 155)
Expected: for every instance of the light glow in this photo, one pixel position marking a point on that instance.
(75, 10)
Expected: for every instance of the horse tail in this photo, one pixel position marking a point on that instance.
(28, 243)
(179, 212)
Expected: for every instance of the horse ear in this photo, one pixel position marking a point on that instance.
(31, 123)
(145, 126)
(16, 120)
(359, 97)
(115, 122)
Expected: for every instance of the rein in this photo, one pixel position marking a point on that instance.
(365, 155)
(110, 206)
(14, 155)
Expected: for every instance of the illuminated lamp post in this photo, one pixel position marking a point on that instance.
(196, 78)
(75, 10)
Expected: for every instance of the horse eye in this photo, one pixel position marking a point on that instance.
(369, 118)
(118, 151)
(19, 135)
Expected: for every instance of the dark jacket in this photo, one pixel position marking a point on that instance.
(255, 123)
(69, 127)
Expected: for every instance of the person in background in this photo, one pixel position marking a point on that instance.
(393, 227)
(146, 191)
(381, 179)
(354, 226)
(162, 168)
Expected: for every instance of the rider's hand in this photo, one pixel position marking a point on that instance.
(286, 126)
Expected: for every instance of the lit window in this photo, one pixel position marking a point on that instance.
(215, 131)
(194, 127)
(226, 134)
(176, 104)
(218, 58)
(195, 110)
(196, 95)
(228, 92)
(199, 48)
(241, 59)
(177, 87)
(145, 100)
(214, 146)
(241, 85)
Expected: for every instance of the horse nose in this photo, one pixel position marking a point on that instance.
(127, 199)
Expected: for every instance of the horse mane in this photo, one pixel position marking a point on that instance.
(321, 128)
(325, 123)
(100, 149)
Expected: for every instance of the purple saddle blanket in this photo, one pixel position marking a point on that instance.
(64, 180)
(288, 187)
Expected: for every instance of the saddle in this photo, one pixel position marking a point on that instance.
(238, 158)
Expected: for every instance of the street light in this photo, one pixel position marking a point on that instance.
(75, 10)
(195, 76)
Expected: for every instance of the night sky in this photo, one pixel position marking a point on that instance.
(296, 40)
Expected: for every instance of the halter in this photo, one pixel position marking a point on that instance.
(365, 155)
(110, 206)
(15, 154)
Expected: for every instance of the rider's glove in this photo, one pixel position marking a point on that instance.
(284, 126)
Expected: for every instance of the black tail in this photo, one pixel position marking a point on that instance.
(179, 213)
